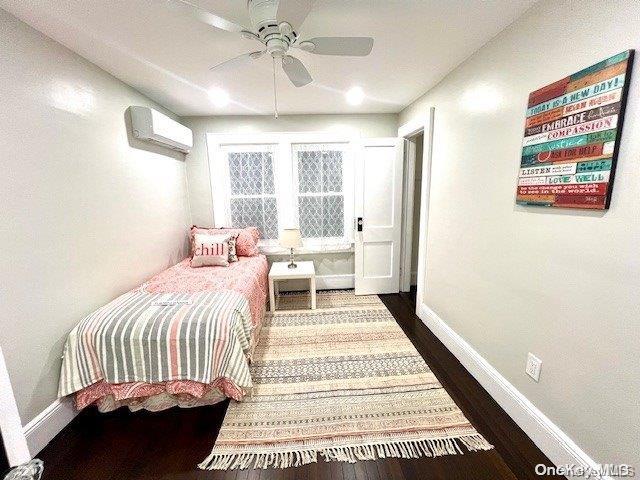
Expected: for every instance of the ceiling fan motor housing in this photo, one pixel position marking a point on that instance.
(278, 37)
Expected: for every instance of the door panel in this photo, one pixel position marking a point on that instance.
(379, 203)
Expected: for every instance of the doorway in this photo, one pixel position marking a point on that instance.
(411, 192)
(418, 140)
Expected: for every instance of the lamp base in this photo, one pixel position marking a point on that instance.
(292, 264)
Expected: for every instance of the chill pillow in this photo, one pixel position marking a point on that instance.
(210, 250)
(246, 240)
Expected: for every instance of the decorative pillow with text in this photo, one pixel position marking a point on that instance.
(210, 250)
(246, 240)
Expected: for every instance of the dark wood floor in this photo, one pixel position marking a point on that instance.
(168, 445)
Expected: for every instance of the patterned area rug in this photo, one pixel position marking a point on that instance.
(342, 382)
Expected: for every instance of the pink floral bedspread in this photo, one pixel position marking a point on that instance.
(248, 276)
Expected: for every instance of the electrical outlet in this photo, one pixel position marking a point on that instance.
(534, 365)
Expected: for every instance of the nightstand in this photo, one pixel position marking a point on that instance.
(281, 271)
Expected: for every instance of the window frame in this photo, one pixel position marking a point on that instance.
(285, 178)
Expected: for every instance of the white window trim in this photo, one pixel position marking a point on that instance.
(283, 175)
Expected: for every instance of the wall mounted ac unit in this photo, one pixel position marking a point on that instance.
(153, 126)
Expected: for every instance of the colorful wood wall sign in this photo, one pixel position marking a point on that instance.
(572, 135)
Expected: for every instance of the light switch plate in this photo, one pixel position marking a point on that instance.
(534, 365)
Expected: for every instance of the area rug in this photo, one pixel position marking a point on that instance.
(324, 300)
(342, 382)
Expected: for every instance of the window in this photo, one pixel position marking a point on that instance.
(320, 193)
(252, 194)
(303, 180)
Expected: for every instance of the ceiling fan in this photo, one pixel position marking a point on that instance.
(276, 24)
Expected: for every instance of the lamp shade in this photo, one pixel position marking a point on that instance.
(290, 238)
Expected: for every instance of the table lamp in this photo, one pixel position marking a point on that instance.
(291, 238)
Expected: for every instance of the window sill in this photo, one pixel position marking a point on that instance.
(273, 251)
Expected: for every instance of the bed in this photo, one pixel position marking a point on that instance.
(183, 338)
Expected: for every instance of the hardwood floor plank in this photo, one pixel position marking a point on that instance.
(336, 470)
(359, 471)
(391, 468)
(348, 471)
(253, 474)
(371, 468)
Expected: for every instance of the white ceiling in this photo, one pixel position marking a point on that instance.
(166, 54)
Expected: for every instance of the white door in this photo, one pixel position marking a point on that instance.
(378, 207)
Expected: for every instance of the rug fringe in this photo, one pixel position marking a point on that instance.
(396, 449)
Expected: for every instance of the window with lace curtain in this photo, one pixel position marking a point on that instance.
(252, 191)
(285, 180)
(320, 193)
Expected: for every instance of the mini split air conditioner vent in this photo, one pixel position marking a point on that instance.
(152, 126)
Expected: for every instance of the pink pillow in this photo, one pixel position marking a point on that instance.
(210, 250)
(246, 242)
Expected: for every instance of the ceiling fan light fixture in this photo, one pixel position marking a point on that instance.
(219, 97)
(355, 96)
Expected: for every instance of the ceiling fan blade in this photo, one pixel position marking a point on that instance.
(296, 71)
(209, 18)
(294, 12)
(239, 60)
(348, 46)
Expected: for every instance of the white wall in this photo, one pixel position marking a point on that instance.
(563, 284)
(366, 126)
(85, 216)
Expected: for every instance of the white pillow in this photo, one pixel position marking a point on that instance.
(210, 250)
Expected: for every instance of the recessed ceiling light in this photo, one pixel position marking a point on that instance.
(355, 96)
(219, 97)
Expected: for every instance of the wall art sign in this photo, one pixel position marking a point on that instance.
(571, 137)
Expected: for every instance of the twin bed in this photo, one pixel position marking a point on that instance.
(183, 338)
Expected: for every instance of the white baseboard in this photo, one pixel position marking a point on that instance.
(323, 282)
(41, 430)
(553, 442)
(335, 282)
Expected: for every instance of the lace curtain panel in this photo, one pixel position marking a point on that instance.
(319, 175)
(252, 192)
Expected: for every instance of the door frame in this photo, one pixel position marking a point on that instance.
(408, 192)
(13, 437)
(422, 124)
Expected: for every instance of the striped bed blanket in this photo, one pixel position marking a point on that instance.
(161, 337)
